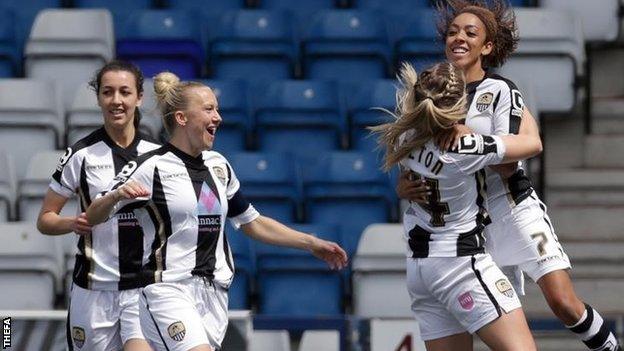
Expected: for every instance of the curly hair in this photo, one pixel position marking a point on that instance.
(498, 18)
(426, 104)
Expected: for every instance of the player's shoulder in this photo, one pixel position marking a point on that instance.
(81, 147)
(498, 82)
(212, 156)
(148, 142)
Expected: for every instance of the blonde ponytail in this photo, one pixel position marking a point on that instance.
(170, 95)
(426, 104)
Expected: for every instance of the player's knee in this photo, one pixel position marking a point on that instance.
(564, 305)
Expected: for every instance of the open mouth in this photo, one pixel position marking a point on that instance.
(459, 50)
(211, 130)
(117, 112)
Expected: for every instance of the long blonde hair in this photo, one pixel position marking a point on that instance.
(171, 96)
(427, 104)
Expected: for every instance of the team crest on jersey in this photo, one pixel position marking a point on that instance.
(78, 335)
(220, 173)
(177, 331)
(484, 101)
(505, 288)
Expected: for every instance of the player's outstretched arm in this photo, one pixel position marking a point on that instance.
(50, 222)
(270, 231)
(101, 208)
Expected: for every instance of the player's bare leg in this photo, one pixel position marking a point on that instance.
(137, 345)
(509, 332)
(457, 342)
(580, 318)
(201, 348)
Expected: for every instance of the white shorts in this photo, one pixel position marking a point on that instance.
(451, 295)
(180, 315)
(525, 238)
(103, 319)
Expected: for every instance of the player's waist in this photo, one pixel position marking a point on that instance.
(422, 243)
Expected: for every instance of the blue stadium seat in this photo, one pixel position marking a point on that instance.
(417, 40)
(365, 102)
(159, 40)
(347, 45)
(396, 6)
(25, 12)
(301, 9)
(120, 9)
(299, 117)
(294, 283)
(347, 189)
(244, 260)
(254, 44)
(10, 52)
(234, 110)
(269, 182)
(217, 6)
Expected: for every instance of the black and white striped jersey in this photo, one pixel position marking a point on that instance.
(184, 215)
(452, 222)
(110, 257)
(495, 108)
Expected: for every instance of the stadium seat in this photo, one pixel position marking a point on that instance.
(120, 9)
(68, 46)
(253, 45)
(33, 187)
(293, 283)
(163, 40)
(301, 9)
(218, 6)
(398, 6)
(346, 189)
(7, 186)
(347, 45)
(379, 270)
(551, 47)
(417, 39)
(151, 117)
(314, 340)
(236, 125)
(365, 102)
(31, 117)
(299, 117)
(270, 182)
(244, 259)
(269, 340)
(599, 18)
(29, 267)
(10, 51)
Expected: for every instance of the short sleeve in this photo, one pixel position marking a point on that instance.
(66, 177)
(478, 151)
(508, 111)
(240, 211)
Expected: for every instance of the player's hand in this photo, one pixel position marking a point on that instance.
(505, 170)
(130, 190)
(329, 252)
(411, 188)
(80, 225)
(449, 138)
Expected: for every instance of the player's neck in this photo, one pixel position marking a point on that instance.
(474, 73)
(123, 137)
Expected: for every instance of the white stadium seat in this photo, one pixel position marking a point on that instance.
(269, 340)
(7, 186)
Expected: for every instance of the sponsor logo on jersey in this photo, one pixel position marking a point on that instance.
(466, 301)
(126, 219)
(484, 101)
(99, 167)
(78, 335)
(209, 224)
(177, 331)
(63, 160)
(220, 173)
(172, 175)
(505, 288)
(126, 172)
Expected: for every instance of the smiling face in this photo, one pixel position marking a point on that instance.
(118, 98)
(466, 42)
(201, 118)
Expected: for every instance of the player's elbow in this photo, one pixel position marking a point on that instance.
(538, 147)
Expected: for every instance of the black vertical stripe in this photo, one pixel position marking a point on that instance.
(226, 251)
(70, 344)
(418, 242)
(154, 320)
(484, 286)
(129, 232)
(83, 265)
(496, 101)
(207, 235)
(159, 214)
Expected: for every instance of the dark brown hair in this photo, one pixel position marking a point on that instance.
(426, 104)
(117, 65)
(498, 18)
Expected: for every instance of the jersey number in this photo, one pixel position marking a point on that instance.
(541, 242)
(434, 207)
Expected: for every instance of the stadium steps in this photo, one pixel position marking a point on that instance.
(604, 150)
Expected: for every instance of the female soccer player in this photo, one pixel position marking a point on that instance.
(454, 284)
(104, 303)
(183, 193)
(478, 37)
